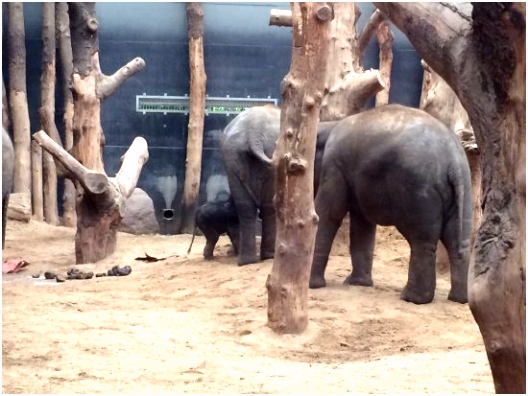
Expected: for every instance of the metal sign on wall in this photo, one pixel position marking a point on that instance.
(213, 105)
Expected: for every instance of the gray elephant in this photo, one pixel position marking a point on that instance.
(247, 149)
(8, 169)
(397, 166)
(214, 219)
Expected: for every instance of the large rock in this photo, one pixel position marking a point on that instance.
(139, 217)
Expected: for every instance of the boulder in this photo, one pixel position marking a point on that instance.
(140, 217)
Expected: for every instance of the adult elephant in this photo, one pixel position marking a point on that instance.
(247, 149)
(8, 169)
(397, 166)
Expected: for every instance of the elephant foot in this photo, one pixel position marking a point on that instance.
(459, 297)
(245, 260)
(358, 281)
(316, 282)
(267, 255)
(416, 297)
(208, 254)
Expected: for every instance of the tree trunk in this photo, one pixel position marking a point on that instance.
(385, 40)
(18, 98)
(193, 165)
(37, 196)
(348, 86)
(480, 51)
(293, 160)
(49, 173)
(98, 214)
(69, 216)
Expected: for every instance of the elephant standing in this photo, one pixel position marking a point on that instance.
(8, 170)
(397, 166)
(247, 148)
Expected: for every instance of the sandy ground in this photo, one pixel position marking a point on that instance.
(185, 325)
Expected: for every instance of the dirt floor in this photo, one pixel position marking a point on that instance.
(185, 325)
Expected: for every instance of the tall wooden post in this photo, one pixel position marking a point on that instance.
(293, 160)
(49, 172)
(193, 163)
(69, 216)
(18, 100)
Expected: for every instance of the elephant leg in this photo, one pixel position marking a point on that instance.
(5, 201)
(232, 232)
(421, 281)
(362, 240)
(247, 218)
(331, 205)
(459, 262)
(267, 246)
(211, 238)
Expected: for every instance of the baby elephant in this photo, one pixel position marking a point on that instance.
(214, 219)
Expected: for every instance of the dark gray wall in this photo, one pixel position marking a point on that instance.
(243, 56)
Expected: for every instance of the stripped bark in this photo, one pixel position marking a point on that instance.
(47, 80)
(193, 164)
(479, 49)
(348, 85)
(293, 161)
(69, 215)
(98, 215)
(18, 98)
(385, 40)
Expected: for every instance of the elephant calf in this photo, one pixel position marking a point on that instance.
(214, 219)
(8, 169)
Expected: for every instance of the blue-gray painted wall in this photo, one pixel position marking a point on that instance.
(243, 56)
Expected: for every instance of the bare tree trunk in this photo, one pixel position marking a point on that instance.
(348, 85)
(69, 215)
(293, 160)
(385, 40)
(18, 99)
(36, 183)
(49, 173)
(480, 51)
(98, 216)
(193, 165)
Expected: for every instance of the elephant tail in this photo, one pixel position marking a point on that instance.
(457, 180)
(192, 240)
(256, 146)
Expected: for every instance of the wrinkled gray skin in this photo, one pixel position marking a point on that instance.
(397, 166)
(247, 149)
(214, 219)
(8, 169)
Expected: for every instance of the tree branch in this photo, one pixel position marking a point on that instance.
(280, 18)
(132, 162)
(95, 183)
(369, 29)
(435, 28)
(107, 85)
